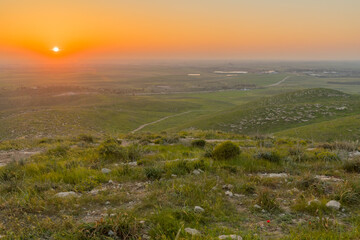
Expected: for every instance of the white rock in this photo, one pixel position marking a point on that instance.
(274, 175)
(132, 163)
(111, 182)
(145, 236)
(333, 204)
(232, 236)
(257, 206)
(192, 231)
(228, 193)
(239, 195)
(198, 209)
(66, 194)
(111, 233)
(105, 170)
(173, 175)
(107, 203)
(196, 172)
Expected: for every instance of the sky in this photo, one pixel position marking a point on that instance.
(204, 29)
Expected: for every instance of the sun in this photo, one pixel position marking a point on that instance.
(56, 49)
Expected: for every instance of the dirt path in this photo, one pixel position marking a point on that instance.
(278, 83)
(159, 120)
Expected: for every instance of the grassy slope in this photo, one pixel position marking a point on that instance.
(282, 112)
(149, 199)
(345, 128)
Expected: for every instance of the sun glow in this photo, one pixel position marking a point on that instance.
(56, 49)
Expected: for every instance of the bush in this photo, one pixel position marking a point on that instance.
(348, 146)
(111, 150)
(226, 150)
(153, 173)
(327, 156)
(270, 156)
(59, 151)
(134, 152)
(200, 143)
(352, 166)
(86, 138)
(267, 201)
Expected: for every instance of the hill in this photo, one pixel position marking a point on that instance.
(282, 112)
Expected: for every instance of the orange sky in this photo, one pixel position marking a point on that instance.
(260, 29)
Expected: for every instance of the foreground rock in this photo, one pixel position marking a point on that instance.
(233, 236)
(199, 209)
(192, 231)
(333, 204)
(105, 170)
(66, 194)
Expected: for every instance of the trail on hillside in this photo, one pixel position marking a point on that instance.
(159, 120)
(278, 83)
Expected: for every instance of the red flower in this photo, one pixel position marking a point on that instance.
(268, 221)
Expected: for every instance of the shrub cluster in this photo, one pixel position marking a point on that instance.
(226, 150)
(112, 150)
(269, 156)
(200, 143)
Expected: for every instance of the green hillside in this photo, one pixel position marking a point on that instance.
(284, 111)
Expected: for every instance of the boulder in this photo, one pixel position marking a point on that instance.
(192, 231)
(66, 194)
(105, 170)
(333, 204)
(232, 236)
(199, 209)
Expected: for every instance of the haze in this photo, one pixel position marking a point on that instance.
(112, 29)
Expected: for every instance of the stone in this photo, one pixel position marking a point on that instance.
(111, 233)
(111, 182)
(333, 204)
(173, 175)
(105, 170)
(196, 172)
(199, 209)
(227, 187)
(239, 195)
(232, 236)
(228, 193)
(257, 206)
(144, 236)
(192, 231)
(66, 194)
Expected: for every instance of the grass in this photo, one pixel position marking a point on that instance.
(157, 196)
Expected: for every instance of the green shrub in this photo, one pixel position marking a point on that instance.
(327, 156)
(267, 201)
(86, 138)
(352, 165)
(348, 146)
(134, 152)
(111, 150)
(153, 173)
(200, 143)
(59, 151)
(269, 156)
(226, 150)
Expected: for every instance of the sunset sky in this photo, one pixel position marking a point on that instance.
(115, 29)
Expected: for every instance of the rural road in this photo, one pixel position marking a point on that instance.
(278, 83)
(159, 120)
